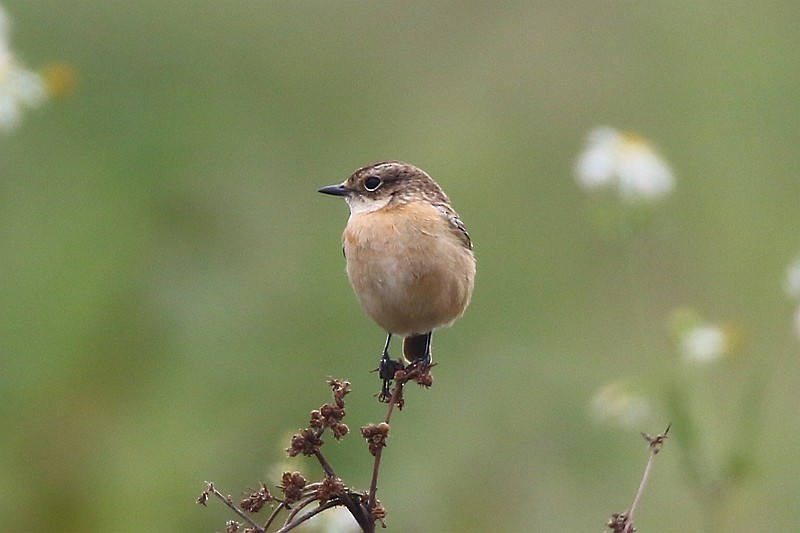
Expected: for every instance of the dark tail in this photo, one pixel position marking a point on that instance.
(417, 347)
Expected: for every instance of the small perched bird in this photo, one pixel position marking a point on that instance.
(409, 256)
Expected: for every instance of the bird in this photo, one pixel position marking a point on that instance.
(408, 257)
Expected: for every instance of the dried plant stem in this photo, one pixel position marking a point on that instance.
(355, 509)
(290, 525)
(227, 501)
(274, 515)
(638, 497)
(299, 506)
(299, 495)
(373, 487)
(326, 466)
(623, 522)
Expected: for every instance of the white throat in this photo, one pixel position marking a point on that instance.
(359, 204)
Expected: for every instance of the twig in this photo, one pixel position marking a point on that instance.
(365, 508)
(356, 509)
(623, 522)
(274, 515)
(227, 501)
(373, 487)
(326, 466)
(299, 506)
(312, 513)
(656, 443)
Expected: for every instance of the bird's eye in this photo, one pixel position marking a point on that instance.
(372, 183)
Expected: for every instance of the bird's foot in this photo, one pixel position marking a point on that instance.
(387, 370)
(421, 365)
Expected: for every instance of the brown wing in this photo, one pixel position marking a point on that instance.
(458, 226)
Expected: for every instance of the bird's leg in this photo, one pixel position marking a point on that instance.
(427, 358)
(385, 358)
(387, 370)
(424, 361)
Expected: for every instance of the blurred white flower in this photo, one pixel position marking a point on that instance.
(626, 162)
(792, 287)
(19, 87)
(615, 403)
(792, 284)
(336, 520)
(706, 343)
(699, 340)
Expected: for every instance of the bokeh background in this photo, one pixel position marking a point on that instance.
(173, 293)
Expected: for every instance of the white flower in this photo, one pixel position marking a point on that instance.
(701, 341)
(624, 161)
(19, 87)
(792, 284)
(792, 287)
(336, 520)
(704, 344)
(615, 403)
(597, 164)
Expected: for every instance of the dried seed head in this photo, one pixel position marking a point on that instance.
(425, 380)
(330, 488)
(316, 420)
(375, 435)
(340, 389)
(306, 442)
(339, 430)
(378, 512)
(619, 523)
(292, 485)
(256, 500)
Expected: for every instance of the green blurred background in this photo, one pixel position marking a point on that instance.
(173, 294)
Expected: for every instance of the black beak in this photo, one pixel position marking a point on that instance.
(335, 190)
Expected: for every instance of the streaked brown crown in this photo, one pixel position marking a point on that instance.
(400, 181)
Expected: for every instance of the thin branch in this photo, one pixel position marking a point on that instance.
(299, 506)
(323, 507)
(373, 487)
(364, 507)
(227, 501)
(356, 509)
(623, 522)
(326, 466)
(656, 443)
(274, 515)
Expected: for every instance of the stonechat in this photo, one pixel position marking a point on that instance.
(409, 257)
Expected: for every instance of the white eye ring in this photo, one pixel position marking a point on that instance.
(372, 183)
